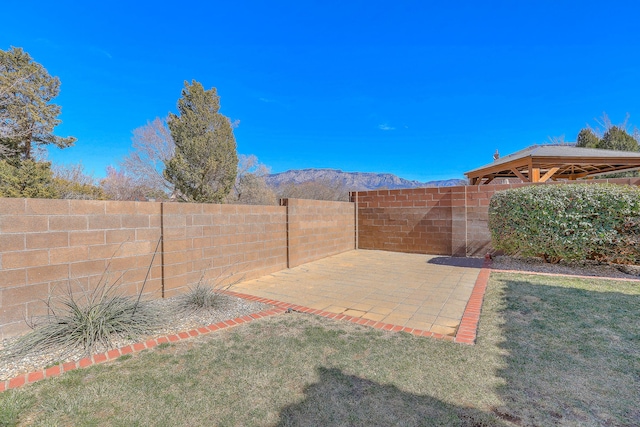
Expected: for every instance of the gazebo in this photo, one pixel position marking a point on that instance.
(540, 163)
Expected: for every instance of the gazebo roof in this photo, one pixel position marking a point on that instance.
(539, 163)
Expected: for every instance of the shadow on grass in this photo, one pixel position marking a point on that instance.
(457, 261)
(338, 399)
(573, 351)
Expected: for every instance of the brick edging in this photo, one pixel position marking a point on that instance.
(58, 370)
(468, 329)
(466, 333)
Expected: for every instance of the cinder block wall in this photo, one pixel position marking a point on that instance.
(318, 229)
(412, 220)
(222, 243)
(439, 221)
(45, 244)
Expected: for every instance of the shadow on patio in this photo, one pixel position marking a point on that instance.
(457, 261)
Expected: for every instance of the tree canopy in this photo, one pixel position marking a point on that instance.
(616, 138)
(587, 139)
(613, 137)
(27, 179)
(204, 165)
(27, 116)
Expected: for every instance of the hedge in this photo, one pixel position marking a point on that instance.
(568, 222)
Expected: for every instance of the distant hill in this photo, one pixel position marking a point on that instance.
(354, 181)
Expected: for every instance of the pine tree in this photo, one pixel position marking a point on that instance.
(27, 179)
(587, 139)
(27, 117)
(204, 166)
(616, 138)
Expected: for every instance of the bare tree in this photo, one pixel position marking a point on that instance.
(73, 172)
(604, 123)
(118, 186)
(72, 182)
(152, 147)
(250, 187)
(556, 140)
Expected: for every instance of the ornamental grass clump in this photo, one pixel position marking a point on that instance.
(86, 319)
(569, 222)
(200, 296)
(204, 295)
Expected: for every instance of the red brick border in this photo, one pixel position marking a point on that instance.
(57, 370)
(468, 329)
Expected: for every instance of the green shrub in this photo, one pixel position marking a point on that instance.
(568, 222)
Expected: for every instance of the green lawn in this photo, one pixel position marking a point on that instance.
(551, 351)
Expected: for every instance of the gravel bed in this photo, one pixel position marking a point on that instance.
(226, 307)
(582, 268)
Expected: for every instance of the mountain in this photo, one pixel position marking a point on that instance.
(354, 181)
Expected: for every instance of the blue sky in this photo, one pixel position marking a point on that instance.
(422, 89)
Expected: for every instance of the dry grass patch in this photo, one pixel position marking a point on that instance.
(573, 350)
(294, 369)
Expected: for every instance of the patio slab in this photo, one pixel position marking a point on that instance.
(424, 292)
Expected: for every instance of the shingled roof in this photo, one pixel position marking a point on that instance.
(539, 163)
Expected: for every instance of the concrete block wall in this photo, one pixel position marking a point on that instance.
(45, 245)
(410, 220)
(221, 243)
(318, 229)
(439, 221)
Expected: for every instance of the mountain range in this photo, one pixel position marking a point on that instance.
(354, 181)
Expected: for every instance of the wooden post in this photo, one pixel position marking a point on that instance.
(535, 175)
(162, 249)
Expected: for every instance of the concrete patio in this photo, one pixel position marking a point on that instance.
(424, 292)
